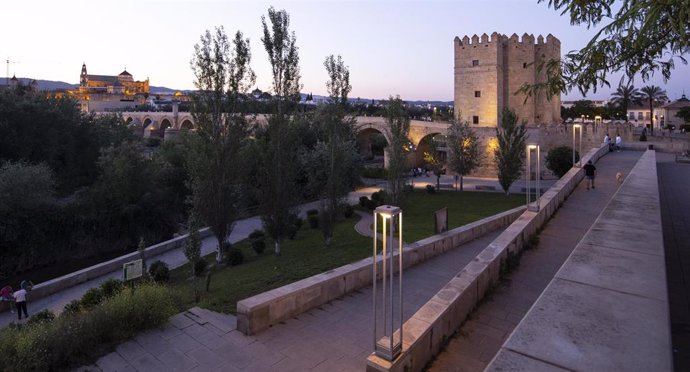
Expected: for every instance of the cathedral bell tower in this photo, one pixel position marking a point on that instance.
(84, 77)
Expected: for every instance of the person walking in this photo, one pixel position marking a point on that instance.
(20, 301)
(590, 173)
(619, 142)
(6, 295)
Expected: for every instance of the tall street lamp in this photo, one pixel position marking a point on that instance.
(533, 206)
(575, 128)
(388, 339)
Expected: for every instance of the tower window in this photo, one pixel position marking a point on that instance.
(524, 65)
(475, 119)
(475, 62)
(477, 93)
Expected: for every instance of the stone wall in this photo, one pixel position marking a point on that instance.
(427, 330)
(70, 280)
(259, 312)
(606, 308)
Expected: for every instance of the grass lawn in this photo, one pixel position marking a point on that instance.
(307, 255)
(463, 208)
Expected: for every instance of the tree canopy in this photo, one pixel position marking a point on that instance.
(634, 37)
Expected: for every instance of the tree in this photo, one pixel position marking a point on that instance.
(510, 152)
(559, 160)
(654, 96)
(434, 161)
(684, 113)
(465, 154)
(398, 128)
(222, 73)
(625, 96)
(280, 155)
(192, 249)
(640, 36)
(332, 165)
(141, 248)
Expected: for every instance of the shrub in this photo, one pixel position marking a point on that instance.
(200, 266)
(643, 137)
(348, 211)
(379, 197)
(375, 173)
(111, 287)
(296, 220)
(153, 142)
(69, 340)
(430, 189)
(91, 298)
(363, 201)
(313, 221)
(292, 232)
(159, 271)
(312, 212)
(234, 257)
(371, 205)
(258, 245)
(72, 308)
(559, 160)
(43, 316)
(257, 234)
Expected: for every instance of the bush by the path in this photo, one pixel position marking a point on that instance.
(74, 339)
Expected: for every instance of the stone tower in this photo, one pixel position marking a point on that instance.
(84, 77)
(488, 72)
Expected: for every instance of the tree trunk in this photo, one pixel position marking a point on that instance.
(277, 247)
(219, 252)
(461, 189)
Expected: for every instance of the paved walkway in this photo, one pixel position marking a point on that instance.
(481, 337)
(674, 179)
(333, 337)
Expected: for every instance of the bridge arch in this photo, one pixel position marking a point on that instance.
(371, 141)
(423, 146)
(186, 124)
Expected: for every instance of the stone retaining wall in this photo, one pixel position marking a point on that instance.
(607, 307)
(66, 281)
(257, 313)
(428, 329)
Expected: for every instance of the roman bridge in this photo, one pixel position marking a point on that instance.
(167, 124)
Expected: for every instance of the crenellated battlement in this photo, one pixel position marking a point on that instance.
(501, 38)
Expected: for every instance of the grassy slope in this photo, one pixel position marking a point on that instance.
(306, 255)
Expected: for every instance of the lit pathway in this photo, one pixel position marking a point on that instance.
(480, 338)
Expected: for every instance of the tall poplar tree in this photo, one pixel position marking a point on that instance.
(332, 165)
(278, 192)
(510, 153)
(398, 127)
(464, 155)
(222, 73)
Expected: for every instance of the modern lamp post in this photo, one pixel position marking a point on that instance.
(575, 128)
(388, 339)
(532, 206)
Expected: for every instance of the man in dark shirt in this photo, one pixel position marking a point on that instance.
(590, 172)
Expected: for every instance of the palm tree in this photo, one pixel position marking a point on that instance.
(654, 95)
(626, 96)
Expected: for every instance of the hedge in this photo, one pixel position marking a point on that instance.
(78, 338)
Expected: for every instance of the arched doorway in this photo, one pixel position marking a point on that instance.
(424, 146)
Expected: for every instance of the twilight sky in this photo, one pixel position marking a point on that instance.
(391, 46)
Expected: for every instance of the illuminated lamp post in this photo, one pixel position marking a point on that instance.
(532, 206)
(388, 344)
(575, 128)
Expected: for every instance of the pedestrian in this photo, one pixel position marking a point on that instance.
(20, 301)
(590, 173)
(607, 139)
(619, 142)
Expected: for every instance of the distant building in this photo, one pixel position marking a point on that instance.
(489, 72)
(121, 84)
(667, 113)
